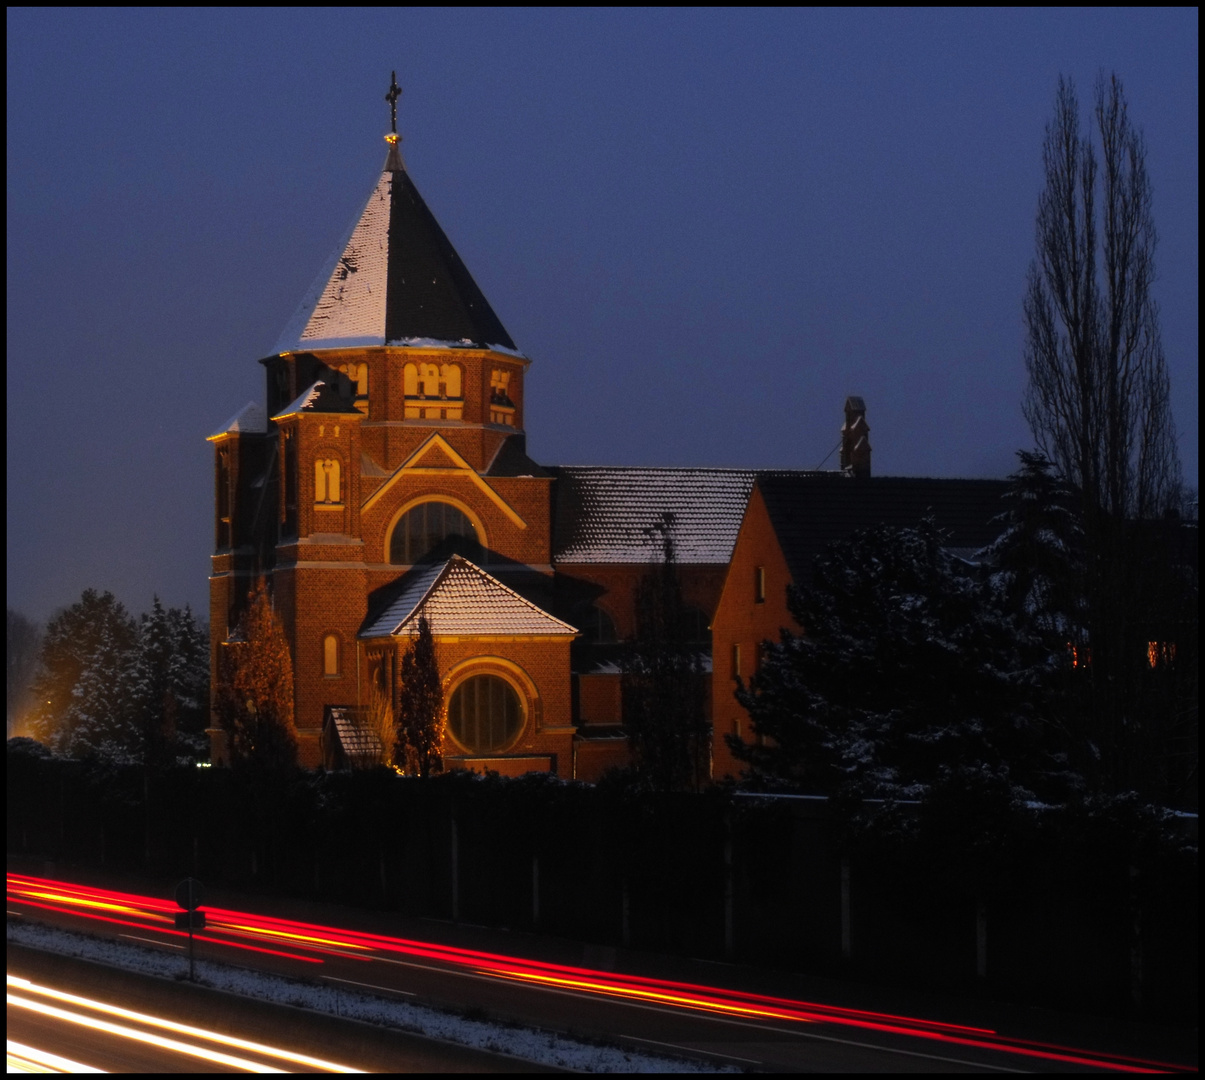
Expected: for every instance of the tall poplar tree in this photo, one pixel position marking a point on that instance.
(1098, 398)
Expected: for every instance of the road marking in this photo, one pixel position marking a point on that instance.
(19, 914)
(693, 1049)
(152, 941)
(808, 1034)
(702, 1014)
(383, 989)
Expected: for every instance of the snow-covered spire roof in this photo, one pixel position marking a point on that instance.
(394, 279)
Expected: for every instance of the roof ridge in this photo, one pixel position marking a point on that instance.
(506, 588)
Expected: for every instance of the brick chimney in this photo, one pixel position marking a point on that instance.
(855, 439)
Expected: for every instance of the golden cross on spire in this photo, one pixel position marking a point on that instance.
(395, 92)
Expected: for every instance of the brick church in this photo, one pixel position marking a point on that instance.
(388, 477)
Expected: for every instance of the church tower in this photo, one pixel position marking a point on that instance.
(393, 438)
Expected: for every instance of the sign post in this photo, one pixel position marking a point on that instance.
(188, 896)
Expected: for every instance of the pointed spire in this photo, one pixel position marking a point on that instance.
(395, 279)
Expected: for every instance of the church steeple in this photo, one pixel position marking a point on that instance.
(396, 279)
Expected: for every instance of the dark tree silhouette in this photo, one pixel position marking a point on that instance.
(1098, 395)
(420, 713)
(908, 668)
(23, 649)
(664, 698)
(1098, 399)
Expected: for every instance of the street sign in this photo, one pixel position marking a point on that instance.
(188, 894)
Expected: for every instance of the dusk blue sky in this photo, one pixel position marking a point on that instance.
(705, 227)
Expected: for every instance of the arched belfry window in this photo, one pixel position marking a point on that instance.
(433, 530)
(485, 714)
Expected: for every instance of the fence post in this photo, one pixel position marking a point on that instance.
(980, 939)
(845, 932)
(626, 928)
(729, 891)
(535, 890)
(1135, 943)
(455, 871)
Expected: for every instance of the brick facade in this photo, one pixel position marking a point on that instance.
(752, 608)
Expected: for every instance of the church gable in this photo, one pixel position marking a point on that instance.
(459, 599)
(438, 459)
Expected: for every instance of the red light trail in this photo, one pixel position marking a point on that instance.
(237, 929)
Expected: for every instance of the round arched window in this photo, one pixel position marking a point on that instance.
(433, 530)
(485, 714)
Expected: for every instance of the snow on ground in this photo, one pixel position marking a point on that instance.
(542, 1047)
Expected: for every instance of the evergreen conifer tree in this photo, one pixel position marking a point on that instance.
(420, 714)
(170, 684)
(82, 692)
(908, 668)
(1037, 560)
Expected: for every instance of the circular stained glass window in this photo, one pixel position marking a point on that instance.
(485, 714)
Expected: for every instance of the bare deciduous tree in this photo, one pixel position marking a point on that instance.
(1098, 395)
(1098, 403)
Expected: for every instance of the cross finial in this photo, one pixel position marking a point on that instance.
(395, 92)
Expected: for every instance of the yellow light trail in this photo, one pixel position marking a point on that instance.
(168, 1025)
(78, 901)
(618, 990)
(258, 931)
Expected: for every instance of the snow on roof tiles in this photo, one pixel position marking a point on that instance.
(324, 397)
(361, 745)
(460, 599)
(345, 306)
(251, 419)
(610, 515)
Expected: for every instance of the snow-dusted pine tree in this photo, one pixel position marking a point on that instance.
(171, 684)
(82, 691)
(188, 678)
(908, 667)
(153, 704)
(100, 718)
(420, 713)
(1037, 560)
